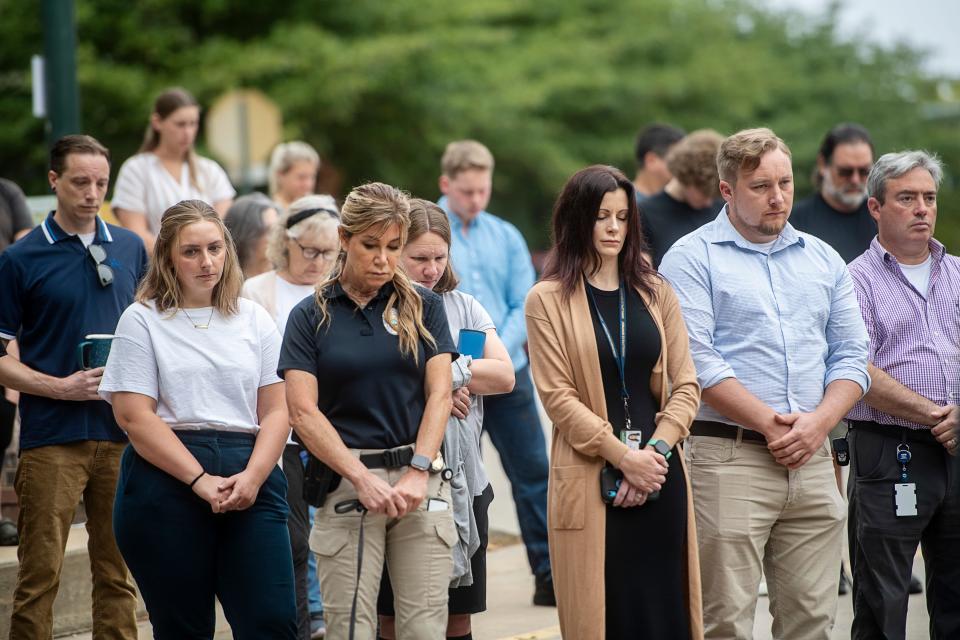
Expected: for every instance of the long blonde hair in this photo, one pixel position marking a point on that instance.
(379, 205)
(165, 104)
(161, 286)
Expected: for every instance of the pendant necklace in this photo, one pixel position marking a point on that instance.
(206, 325)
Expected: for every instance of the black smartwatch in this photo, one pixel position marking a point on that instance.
(660, 447)
(420, 462)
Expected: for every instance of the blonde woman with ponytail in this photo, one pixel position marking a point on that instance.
(367, 365)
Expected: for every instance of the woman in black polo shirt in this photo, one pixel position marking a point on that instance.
(368, 381)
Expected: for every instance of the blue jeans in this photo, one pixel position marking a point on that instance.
(183, 555)
(313, 582)
(514, 426)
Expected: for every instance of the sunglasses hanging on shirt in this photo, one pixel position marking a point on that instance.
(99, 256)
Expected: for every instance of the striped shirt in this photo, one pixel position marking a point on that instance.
(914, 335)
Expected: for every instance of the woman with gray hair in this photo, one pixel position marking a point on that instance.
(293, 172)
(302, 246)
(248, 219)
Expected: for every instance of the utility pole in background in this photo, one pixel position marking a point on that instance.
(62, 99)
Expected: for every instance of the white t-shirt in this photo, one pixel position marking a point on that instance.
(288, 296)
(144, 185)
(918, 274)
(87, 238)
(200, 378)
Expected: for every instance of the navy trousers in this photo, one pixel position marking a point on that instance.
(183, 555)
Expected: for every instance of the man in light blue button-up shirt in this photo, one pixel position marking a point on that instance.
(493, 263)
(781, 354)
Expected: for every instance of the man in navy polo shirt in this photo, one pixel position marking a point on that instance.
(71, 276)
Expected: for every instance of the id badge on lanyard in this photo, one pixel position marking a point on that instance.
(631, 437)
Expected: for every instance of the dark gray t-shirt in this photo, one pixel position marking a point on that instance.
(14, 213)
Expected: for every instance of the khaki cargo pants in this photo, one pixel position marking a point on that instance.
(419, 557)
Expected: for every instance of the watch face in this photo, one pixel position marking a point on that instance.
(420, 462)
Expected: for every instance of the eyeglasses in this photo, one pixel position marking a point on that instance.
(312, 253)
(847, 172)
(104, 272)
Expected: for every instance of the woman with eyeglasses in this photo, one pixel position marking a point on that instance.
(303, 246)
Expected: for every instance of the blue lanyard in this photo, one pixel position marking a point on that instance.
(618, 357)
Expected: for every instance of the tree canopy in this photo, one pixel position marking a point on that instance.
(550, 86)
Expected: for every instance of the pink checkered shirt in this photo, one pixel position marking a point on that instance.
(913, 337)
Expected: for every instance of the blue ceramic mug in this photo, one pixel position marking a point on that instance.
(471, 343)
(93, 351)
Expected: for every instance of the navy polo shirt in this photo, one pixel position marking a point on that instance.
(50, 298)
(371, 393)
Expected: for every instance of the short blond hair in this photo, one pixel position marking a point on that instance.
(462, 155)
(693, 161)
(743, 151)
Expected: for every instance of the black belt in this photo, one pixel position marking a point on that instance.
(902, 434)
(388, 458)
(723, 430)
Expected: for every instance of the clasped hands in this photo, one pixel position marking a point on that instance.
(644, 472)
(235, 493)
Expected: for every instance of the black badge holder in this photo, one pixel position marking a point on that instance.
(841, 450)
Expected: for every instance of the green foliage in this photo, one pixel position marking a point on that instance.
(549, 85)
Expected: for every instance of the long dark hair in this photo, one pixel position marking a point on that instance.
(574, 217)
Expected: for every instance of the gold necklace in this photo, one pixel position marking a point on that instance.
(194, 322)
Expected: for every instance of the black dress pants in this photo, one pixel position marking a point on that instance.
(882, 545)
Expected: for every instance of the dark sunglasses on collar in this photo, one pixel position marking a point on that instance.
(104, 272)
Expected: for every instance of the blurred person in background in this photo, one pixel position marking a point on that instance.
(167, 169)
(837, 212)
(611, 362)
(15, 222)
(690, 199)
(650, 151)
(426, 259)
(494, 265)
(302, 246)
(293, 172)
(249, 220)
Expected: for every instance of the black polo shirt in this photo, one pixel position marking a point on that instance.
(50, 298)
(850, 234)
(371, 393)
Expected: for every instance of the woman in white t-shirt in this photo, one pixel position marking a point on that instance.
(167, 170)
(302, 246)
(200, 510)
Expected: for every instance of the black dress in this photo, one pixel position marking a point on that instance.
(644, 574)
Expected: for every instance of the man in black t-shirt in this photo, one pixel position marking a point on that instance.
(690, 199)
(837, 212)
(650, 150)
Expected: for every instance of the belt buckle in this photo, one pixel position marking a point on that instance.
(391, 458)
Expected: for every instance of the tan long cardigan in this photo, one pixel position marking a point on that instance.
(566, 370)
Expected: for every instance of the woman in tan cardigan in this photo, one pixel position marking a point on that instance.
(627, 569)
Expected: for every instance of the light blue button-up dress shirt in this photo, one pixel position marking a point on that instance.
(784, 320)
(493, 263)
